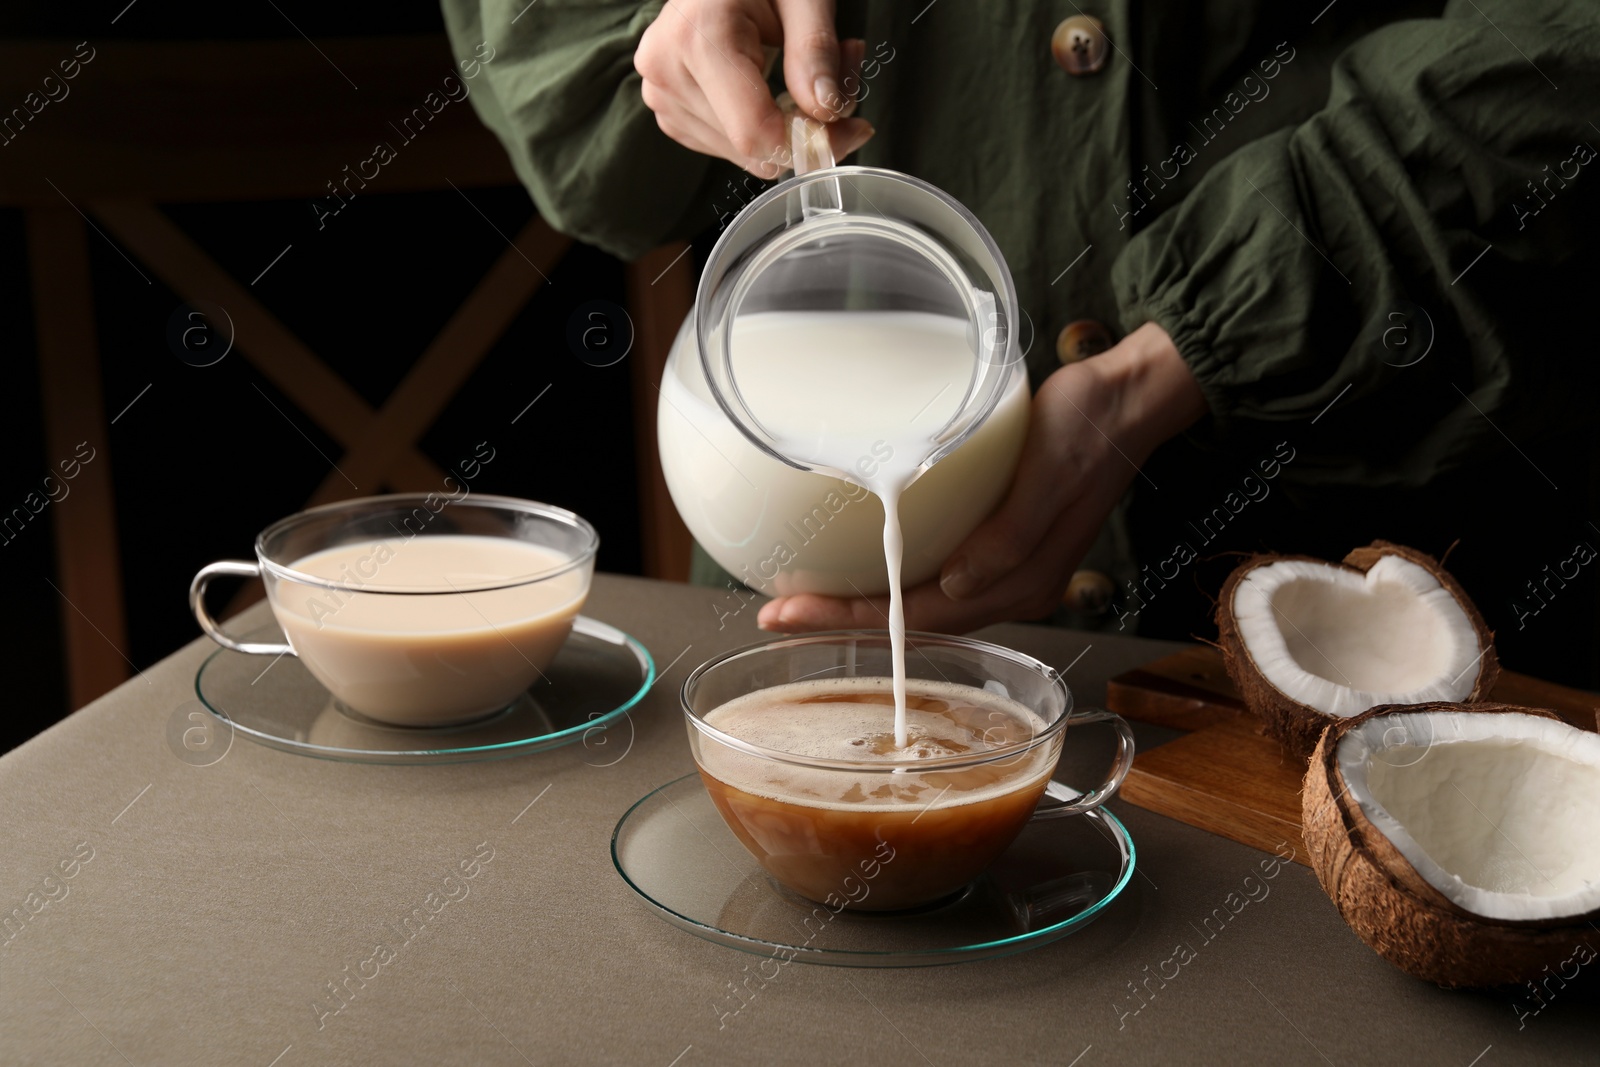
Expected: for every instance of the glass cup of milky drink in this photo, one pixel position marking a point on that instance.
(854, 344)
(795, 740)
(418, 609)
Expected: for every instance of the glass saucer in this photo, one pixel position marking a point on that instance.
(597, 676)
(674, 850)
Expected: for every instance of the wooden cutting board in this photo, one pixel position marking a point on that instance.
(1224, 775)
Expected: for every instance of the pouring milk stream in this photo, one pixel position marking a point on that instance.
(852, 341)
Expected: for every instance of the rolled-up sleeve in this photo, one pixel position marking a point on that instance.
(1413, 251)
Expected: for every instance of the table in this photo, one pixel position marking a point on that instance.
(209, 908)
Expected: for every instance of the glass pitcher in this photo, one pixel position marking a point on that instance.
(848, 317)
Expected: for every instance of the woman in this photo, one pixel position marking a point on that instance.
(1330, 265)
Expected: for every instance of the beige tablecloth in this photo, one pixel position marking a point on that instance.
(164, 913)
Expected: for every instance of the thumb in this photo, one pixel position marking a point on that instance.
(811, 57)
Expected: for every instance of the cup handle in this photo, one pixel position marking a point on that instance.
(1056, 802)
(197, 604)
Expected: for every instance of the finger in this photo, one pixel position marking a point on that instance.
(705, 119)
(1043, 486)
(852, 53)
(847, 135)
(807, 612)
(679, 119)
(649, 60)
(811, 57)
(1030, 590)
(687, 129)
(683, 114)
(725, 60)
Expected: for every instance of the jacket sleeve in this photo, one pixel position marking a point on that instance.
(1410, 261)
(559, 89)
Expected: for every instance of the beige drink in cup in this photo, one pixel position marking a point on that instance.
(795, 742)
(404, 658)
(417, 610)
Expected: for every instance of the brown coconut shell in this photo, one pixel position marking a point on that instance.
(1393, 908)
(1296, 726)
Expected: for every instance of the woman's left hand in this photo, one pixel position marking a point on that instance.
(1094, 424)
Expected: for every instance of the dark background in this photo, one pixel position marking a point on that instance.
(202, 461)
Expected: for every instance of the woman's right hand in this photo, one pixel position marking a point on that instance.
(703, 63)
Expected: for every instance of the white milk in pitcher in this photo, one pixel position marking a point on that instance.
(860, 391)
(783, 531)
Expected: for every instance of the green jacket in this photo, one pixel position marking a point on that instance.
(1370, 229)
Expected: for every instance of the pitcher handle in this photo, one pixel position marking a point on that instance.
(197, 604)
(811, 150)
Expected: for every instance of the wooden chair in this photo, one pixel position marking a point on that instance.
(153, 123)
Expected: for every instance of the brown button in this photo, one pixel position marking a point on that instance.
(1080, 45)
(1082, 339)
(1089, 592)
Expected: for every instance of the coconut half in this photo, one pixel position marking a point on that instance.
(1461, 843)
(1310, 642)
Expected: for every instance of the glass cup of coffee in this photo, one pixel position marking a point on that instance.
(418, 609)
(795, 742)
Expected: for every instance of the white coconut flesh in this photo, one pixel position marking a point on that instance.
(1341, 641)
(1499, 812)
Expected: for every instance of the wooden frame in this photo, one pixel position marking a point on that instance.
(147, 123)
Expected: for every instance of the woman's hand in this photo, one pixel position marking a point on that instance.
(703, 63)
(1094, 423)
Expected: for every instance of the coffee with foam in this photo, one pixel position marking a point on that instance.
(927, 818)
